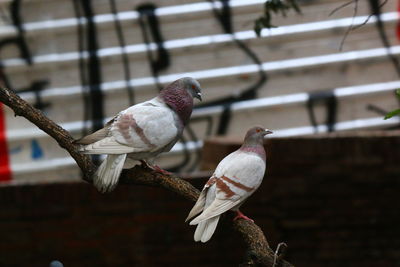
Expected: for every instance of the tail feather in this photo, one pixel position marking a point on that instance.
(198, 207)
(107, 175)
(206, 229)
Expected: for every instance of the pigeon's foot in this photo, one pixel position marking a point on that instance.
(162, 171)
(240, 215)
(145, 164)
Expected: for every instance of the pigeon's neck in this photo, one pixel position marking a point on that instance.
(254, 146)
(180, 101)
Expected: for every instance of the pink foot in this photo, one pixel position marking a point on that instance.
(241, 216)
(158, 169)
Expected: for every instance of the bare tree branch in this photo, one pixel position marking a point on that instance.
(63, 138)
(340, 7)
(351, 26)
(257, 245)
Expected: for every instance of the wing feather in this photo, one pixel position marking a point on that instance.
(96, 136)
(145, 127)
(107, 145)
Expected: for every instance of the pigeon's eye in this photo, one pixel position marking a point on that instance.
(258, 130)
(193, 86)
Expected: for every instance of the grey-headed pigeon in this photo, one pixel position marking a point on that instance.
(141, 132)
(236, 177)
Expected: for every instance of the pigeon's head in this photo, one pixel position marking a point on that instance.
(179, 95)
(257, 133)
(253, 142)
(192, 87)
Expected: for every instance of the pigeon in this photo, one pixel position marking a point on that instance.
(236, 177)
(141, 132)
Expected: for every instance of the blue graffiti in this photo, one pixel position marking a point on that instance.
(37, 151)
(15, 150)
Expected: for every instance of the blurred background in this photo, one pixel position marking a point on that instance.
(322, 79)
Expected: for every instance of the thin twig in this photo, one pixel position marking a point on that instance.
(376, 10)
(340, 7)
(351, 26)
(251, 233)
(279, 253)
(368, 18)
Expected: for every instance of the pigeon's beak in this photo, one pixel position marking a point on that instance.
(198, 96)
(266, 131)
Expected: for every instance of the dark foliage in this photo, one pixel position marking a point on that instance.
(274, 7)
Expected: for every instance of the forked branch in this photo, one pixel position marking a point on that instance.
(258, 250)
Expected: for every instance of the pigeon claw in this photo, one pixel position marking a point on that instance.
(162, 171)
(145, 164)
(242, 216)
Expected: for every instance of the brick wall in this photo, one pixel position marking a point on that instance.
(335, 201)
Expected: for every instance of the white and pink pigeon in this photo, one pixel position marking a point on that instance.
(236, 177)
(141, 132)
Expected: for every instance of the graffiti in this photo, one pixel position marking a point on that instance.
(328, 98)
(24, 53)
(15, 150)
(376, 7)
(148, 22)
(36, 150)
(94, 78)
(224, 17)
(159, 59)
(91, 78)
(124, 55)
(19, 41)
(155, 47)
(15, 11)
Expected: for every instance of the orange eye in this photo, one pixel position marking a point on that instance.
(258, 130)
(193, 87)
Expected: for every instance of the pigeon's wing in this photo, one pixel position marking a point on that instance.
(238, 176)
(96, 136)
(106, 145)
(146, 127)
(100, 142)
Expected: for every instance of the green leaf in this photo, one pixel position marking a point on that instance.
(392, 113)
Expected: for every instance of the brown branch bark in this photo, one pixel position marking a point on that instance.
(258, 250)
